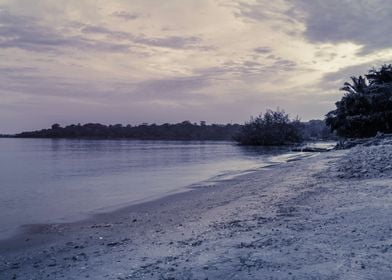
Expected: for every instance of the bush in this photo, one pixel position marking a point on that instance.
(366, 107)
(271, 129)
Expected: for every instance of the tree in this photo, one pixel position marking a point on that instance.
(381, 76)
(55, 126)
(270, 129)
(366, 107)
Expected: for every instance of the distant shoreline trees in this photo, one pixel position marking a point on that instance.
(366, 107)
(180, 131)
(184, 131)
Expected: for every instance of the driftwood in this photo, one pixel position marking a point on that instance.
(310, 149)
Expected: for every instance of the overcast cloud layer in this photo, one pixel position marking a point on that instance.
(117, 61)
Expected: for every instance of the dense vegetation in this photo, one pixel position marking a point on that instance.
(316, 130)
(180, 131)
(272, 128)
(366, 107)
(312, 130)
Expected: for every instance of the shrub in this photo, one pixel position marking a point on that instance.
(271, 129)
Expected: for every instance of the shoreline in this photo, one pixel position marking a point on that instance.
(305, 219)
(23, 231)
(59, 188)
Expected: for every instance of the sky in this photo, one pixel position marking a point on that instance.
(154, 61)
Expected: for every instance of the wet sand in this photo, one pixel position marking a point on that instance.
(325, 217)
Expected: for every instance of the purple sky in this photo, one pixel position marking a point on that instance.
(117, 61)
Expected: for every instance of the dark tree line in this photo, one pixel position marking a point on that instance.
(186, 130)
(366, 107)
(180, 131)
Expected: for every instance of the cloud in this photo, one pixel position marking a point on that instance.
(334, 80)
(14, 70)
(126, 16)
(364, 22)
(174, 42)
(285, 63)
(110, 34)
(34, 83)
(346, 72)
(26, 33)
(262, 10)
(326, 55)
(99, 30)
(263, 50)
(221, 60)
(178, 88)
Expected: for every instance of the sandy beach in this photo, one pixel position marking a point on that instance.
(323, 217)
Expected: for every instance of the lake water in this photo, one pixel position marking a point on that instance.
(45, 180)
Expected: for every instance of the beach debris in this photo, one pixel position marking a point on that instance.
(52, 263)
(101, 225)
(196, 243)
(15, 266)
(311, 150)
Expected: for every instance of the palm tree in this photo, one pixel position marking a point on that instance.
(366, 107)
(358, 86)
(381, 76)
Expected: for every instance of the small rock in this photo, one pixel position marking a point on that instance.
(15, 266)
(197, 243)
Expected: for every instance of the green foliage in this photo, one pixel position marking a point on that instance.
(366, 107)
(271, 129)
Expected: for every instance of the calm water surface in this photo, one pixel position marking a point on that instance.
(44, 180)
